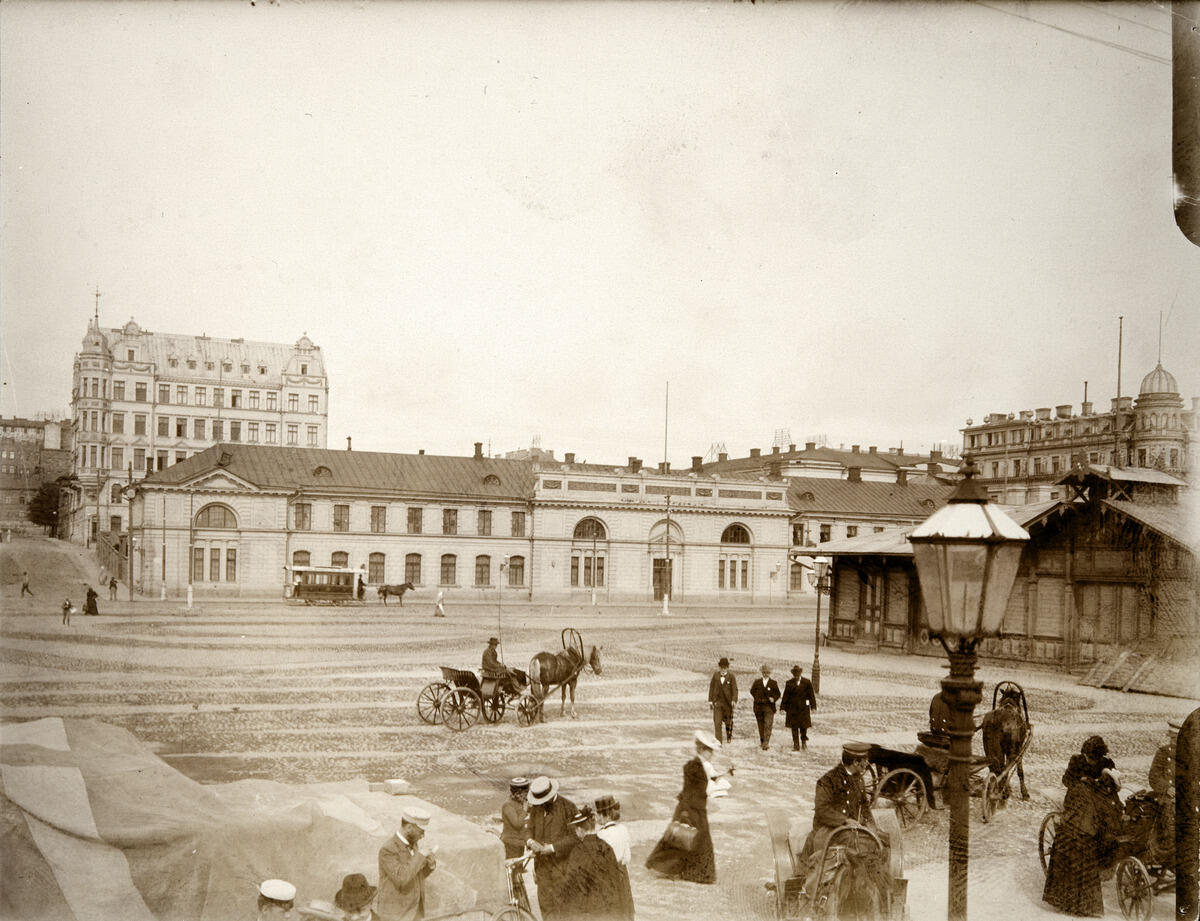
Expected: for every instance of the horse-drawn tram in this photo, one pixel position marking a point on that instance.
(326, 584)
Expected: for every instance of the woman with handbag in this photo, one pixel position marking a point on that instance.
(685, 850)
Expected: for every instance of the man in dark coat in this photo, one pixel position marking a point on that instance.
(765, 692)
(551, 838)
(798, 701)
(840, 799)
(722, 696)
(492, 667)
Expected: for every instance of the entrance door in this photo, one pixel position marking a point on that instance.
(662, 578)
(873, 604)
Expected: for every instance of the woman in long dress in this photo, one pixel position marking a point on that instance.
(1080, 847)
(699, 865)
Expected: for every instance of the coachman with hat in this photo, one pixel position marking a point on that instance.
(403, 868)
(492, 667)
(551, 838)
(841, 799)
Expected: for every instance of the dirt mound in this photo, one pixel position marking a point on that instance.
(56, 568)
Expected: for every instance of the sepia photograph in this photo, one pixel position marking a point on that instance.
(512, 460)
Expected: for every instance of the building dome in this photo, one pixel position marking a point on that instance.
(1158, 381)
(131, 328)
(305, 344)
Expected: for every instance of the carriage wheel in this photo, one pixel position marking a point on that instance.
(528, 711)
(1046, 838)
(493, 708)
(461, 709)
(1135, 890)
(512, 913)
(870, 779)
(905, 789)
(429, 702)
(991, 797)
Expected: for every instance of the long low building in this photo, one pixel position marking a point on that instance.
(232, 519)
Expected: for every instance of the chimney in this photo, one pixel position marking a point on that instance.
(791, 447)
(479, 450)
(632, 461)
(901, 476)
(348, 448)
(933, 470)
(874, 449)
(722, 457)
(421, 451)
(854, 474)
(662, 466)
(853, 449)
(774, 471)
(755, 452)
(635, 464)
(1063, 410)
(935, 457)
(1086, 408)
(697, 460)
(666, 466)
(810, 446)
(569, 457)
(774, 449)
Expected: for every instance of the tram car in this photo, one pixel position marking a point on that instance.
(325, 584)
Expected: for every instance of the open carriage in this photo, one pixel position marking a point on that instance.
(908, 779)
(462, 697)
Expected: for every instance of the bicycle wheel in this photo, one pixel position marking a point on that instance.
(1046, 838)
(512, 913)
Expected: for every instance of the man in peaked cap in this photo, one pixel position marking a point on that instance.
(403, 868)
(722, 697)
(551, 838)
(276, 897)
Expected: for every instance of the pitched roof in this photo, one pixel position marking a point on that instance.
(1124, 475)
(1180, 523)
(841, 497)
(367, 471)
(826, 455)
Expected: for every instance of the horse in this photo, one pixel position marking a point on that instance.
(1004, 729)
(396, 591)
(547, 669)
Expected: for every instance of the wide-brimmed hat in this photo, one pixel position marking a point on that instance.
(542, 790)
(493, 640)
(277, 890)
(797, 671)
(355, 893)
(707, 739)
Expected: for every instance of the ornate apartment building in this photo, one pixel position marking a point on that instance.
(1022, 456)
(142, 401)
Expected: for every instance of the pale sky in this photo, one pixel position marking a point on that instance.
(504, 220)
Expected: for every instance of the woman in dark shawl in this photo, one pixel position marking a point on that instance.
(593, 887)
(699, 865)
(1083, 846)
(89, 606)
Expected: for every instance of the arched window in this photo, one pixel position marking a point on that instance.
(449, 569)
(216, 516)
(115, 493)
(375, 569)
(590, 529)
(301, 558)
(412, 568)
(516, 571)
(735, 534)
(483, 570)
(796, 578)
(339, 558)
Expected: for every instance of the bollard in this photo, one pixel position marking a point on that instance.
(189, 596)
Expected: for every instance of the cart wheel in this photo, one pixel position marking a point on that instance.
(528, 711)
(512, 913)
(991, 798)
(869, 779)
(1046, 838)
(1135, 891)
(429, 702)
(493, 708)
(461, 708)
(905, 789)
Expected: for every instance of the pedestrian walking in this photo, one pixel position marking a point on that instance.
(1083, 846)
(112, 589)
(798, 702)
(25, 589)
(722, 696)
(89, 605)
(439, 609)
(67, 608)
(676, 856)
(765, 692)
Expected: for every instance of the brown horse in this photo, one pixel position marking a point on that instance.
(548, 669)
(396, 591)
(1004, 730)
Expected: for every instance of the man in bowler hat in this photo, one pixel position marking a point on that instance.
(798, 701)
(722, 695)
(765, 692)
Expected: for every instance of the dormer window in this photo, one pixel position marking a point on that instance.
(173, 362)
(322, 471)
(208, 366)
(245, 369)
(304, 369)
(192, 364)
(227, 366)
(262, 369)
(491, 480)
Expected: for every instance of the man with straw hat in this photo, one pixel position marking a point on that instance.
(551, 838)
(403, 868)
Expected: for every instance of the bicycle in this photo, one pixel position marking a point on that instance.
(518, 907)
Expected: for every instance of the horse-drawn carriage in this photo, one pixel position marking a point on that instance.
(326, 584)
(909, 779)
(855, 875)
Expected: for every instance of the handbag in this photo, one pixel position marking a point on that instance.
(680, 835)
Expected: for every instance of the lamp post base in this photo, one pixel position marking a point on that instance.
(962, 693)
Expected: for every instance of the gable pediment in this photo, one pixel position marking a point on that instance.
(221, 480)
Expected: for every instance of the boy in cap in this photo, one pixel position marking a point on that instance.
(276, 898)
(403, 868)
(722, 696)
(551, 838)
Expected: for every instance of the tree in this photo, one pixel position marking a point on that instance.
(43, 507)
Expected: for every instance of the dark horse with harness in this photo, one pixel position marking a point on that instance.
(548, 670)
(396, 591)
(1004, 730)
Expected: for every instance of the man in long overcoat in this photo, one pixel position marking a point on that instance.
(551, 838)
(722, 695)
(402, 870)
(765, 692)
(798, 702)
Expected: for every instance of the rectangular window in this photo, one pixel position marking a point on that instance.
(95, 421)
(375, 574)
(449, 569)
(164, 426)
(412, 568)
(341, 518)
(235, 431)
(164, 393)
(118, 390)
(293, 402)
(720, 573)
(181, 396)
(877, 530)
(218, 429)
(252, 431)
(483, 523)
(414, 520)
(139, 423)
(235, 398)
(600, 571)
(214, 565)
(93, 463)
(302, 516)
(198, 564)
(449, 521)
(378, 520)
(139, 458)
(574, 570)
(271, 395)
(230, 565)
(129, 354)
(852, 530)
(118, 458)
(162, 460)
(180, 456)
(745, 573)
(218, 396)
(198, 428)
(483, 570)
(254, 399)
(95, 386)
(180, 427)
(270, 433)
(314, 402)
(201, 396)
(139, 390)
(826, 533)
(518, 524)
(312, 436)
(516, 570)
(293, 434)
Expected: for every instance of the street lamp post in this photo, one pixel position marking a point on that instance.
(967, 554)
(500, 605)
(820, 583)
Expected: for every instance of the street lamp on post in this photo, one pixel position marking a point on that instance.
(967, 554)
(819, 578)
